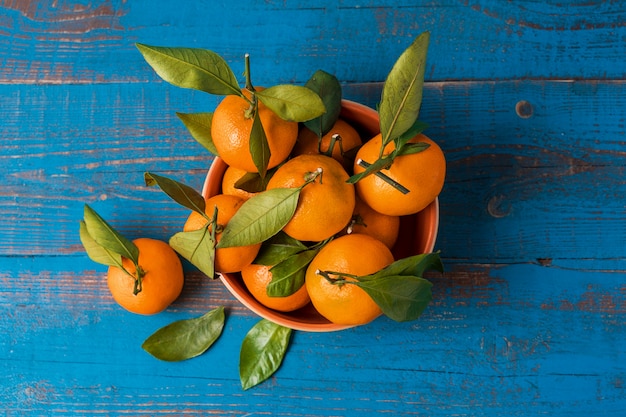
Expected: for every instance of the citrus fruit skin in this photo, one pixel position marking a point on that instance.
(161, 284)
(227, 260)
(355, 254)
(231, 127)
(231, 176)
(423, 173)
(308, 143)
(325, 205)
(368, 221)
(256, 278)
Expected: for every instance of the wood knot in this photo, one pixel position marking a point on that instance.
(497, 207)
(524, 109)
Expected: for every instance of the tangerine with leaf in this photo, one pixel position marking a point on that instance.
(325, 204)
(421, 173)
(343, 258)
(227, 260)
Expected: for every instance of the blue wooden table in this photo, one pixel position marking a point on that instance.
(527, 99)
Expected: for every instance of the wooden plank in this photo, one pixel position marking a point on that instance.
(515, 340)
(64, 146)
(78, 42)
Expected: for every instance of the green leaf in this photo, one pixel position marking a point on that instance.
(326, 86)
(288, 275)
(372, 168)
(262, 351)
(292, 103)
(107, 237)
(198, 247)
(402, 92)
(194, 68)
(96, 252)
(186, 339)
(415, 265)
(278, 248)
(259, 147)
(401, 141)
(411, 148)
(252, 182)
(260, 217)
(199, 125)
(181, 193)
(401, 298)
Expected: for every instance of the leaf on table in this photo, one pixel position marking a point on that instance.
(96, 252)
(199, 126)
(194, 68)
(292, 103)
(186, 339)
(402, 91)
(401, 298)
(198, 247)
(328, 88)
(181, 193)
(107, 237)
(260, 217)
(262, 351)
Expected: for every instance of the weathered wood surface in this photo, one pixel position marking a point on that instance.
(526, 98)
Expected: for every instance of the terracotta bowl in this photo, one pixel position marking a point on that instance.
(418, 233)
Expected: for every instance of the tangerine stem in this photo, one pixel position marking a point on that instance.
(138, 287)
(395, 184)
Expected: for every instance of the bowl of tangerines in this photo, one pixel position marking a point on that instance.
(317, 213)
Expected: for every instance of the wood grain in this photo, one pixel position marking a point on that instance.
(527, 100)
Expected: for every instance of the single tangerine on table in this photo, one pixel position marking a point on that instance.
(231, 127)
(422, 173)
(256, 278)
(368, 221)
(325, 205)
(357, 255)
(309, 143)
(161, 283)
(227, 260)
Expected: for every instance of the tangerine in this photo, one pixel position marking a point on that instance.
(231, 127)
(353, 255)
(227, 260)
(368, 221)
(257, 277)
(230, 178)
(348, 140)
(325, 204)
(161, 283)
(422, 173)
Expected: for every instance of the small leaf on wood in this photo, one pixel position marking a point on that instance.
(199, 126)
(198, 247)
(262, 351)
(260, 217)
(96, 252)
(402, 91)
(186, 339)
(292, 103)
(326, 86)
(181, 193)
(107, 237)
(194, 68)
(401, 298)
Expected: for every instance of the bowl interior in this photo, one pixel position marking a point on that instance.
(418, 233)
